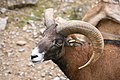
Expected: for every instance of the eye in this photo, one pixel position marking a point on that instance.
(59, 41)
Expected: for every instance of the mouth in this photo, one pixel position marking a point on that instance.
(36, 56)
(37, 61)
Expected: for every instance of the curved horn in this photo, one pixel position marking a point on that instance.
(49, 17)
(80, 27)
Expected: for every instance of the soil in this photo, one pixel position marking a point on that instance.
(15, 61)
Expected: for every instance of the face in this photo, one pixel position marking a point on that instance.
(49, 47)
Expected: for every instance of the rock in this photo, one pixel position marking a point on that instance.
(53, 67)
(69, 1)
(42, 74)
(9, 54)
(35, 34)
(20, 3)
(32, 15)
(21, 73)
(29, 31)
(6, 74)
(30, 64)
(50, 73)
(42, 30)
(3, 10)
(21, 43)
(17, 60)
(2, 45)
(12, 32)
(3, 23)
(50, 76)
(25, 28)
(21, 50)
(10, 51)
(17, 34)
(56, 78)
(58, 74)
(62, 78)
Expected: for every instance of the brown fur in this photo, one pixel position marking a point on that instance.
(106, 68)
(109, 26)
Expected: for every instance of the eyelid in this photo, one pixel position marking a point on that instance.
(57, 41)
(60, 41)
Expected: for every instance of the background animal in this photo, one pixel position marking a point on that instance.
(106, 17)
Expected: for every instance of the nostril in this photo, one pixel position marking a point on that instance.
(34, 56)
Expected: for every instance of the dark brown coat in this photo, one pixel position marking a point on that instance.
(106, 68)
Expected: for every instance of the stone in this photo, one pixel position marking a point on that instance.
(29, 31)
(9, 54)
(62, 78)
(42, 74)
(21, 49)
(20, 3)
(1, 46)
(25, 28)
(3, 10)
(21, 43)
(30, 64)
(3, 23)
(35, 34)
(56, 78)
(42, 30)
(21, 73)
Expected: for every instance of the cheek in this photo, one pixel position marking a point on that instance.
(52, 54)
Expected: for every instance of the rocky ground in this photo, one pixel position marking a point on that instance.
(15, 48)
(23, 31)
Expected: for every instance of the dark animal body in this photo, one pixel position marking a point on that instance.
(106, 68)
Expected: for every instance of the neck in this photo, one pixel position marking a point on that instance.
(73, 58)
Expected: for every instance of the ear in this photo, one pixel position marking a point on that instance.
(53, 28)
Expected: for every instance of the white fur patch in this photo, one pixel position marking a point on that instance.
(40, 56)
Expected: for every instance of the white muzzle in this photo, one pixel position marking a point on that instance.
(36, 56)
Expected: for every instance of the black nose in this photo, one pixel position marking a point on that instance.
(34, 56)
